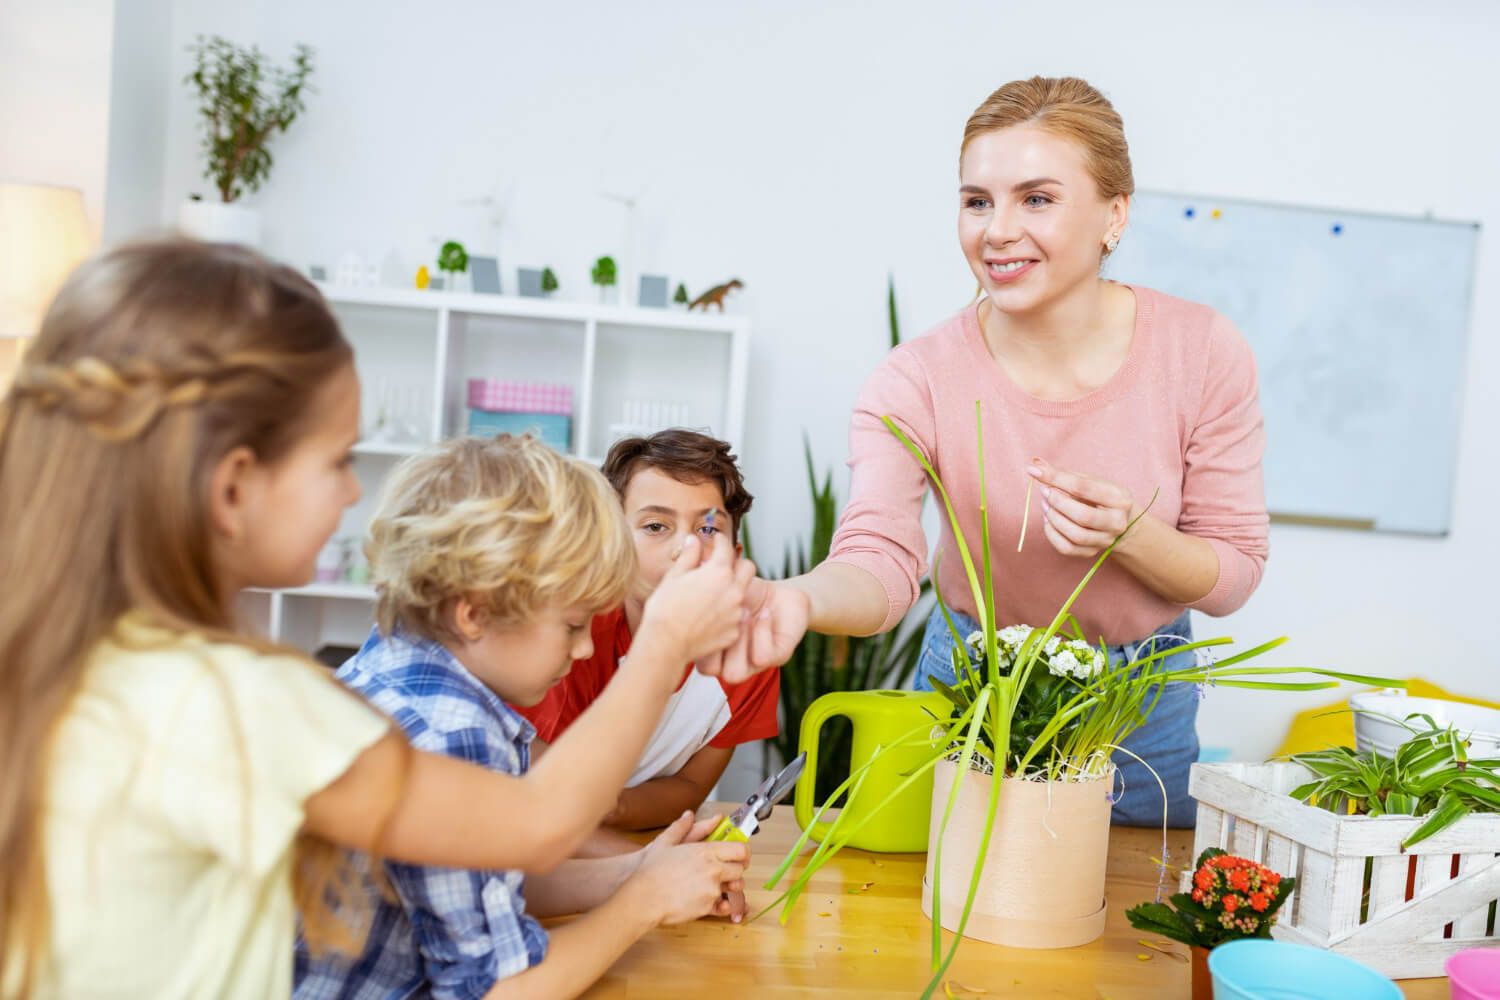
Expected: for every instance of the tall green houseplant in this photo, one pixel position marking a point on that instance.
(242, 102)
(823, 664)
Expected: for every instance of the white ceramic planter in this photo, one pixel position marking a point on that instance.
(216, 222)
(1378, 715)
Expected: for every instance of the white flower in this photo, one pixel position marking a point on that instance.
(975, 640)
(1064, 664)
(1076, 659)
(1014, 635)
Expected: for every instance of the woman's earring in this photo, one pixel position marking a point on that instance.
(1112, 242)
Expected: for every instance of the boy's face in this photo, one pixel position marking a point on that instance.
(521, 663)
(662, 512)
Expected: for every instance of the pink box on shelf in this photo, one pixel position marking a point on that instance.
(505, 396)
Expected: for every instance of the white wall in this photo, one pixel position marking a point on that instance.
(142, 73)
(811, 149)
(54, 95)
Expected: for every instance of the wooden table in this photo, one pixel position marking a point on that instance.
(875, 943)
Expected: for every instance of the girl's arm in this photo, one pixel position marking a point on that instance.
(430, 809)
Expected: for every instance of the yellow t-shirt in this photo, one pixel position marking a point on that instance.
(176, 789)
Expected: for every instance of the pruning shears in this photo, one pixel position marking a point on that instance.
(745, 821)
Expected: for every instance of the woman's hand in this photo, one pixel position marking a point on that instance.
(775, 621)
(1082, 515)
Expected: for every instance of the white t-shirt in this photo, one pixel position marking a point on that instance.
(176, 789)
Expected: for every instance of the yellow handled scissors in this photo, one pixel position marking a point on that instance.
(745, 821)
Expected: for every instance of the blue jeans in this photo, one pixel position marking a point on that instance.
(1168, 740)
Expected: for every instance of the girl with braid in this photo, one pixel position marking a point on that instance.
(174, 791)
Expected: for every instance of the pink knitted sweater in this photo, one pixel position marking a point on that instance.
(1180, 416)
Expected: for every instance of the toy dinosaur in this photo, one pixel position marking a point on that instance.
(715, 295)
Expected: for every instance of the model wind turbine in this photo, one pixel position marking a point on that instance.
(627, 264)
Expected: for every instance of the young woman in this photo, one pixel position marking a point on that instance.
(1099, 395)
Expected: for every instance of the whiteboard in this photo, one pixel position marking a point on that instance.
(1359, 324)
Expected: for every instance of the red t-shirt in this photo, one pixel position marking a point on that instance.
(752, 705)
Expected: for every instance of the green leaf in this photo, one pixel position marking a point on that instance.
(1450, 809)
(1159, 918)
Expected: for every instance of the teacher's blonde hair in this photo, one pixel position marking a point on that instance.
(1067, 107)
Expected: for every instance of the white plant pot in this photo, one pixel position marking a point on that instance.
(1378, 717)
(216, 222)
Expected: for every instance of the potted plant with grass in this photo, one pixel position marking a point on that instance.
(243, 102)
(1075, 733)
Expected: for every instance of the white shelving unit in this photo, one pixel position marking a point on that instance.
(415, 351)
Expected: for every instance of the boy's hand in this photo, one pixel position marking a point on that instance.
(699, 608)
(677, 881)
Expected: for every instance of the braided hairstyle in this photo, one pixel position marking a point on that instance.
(154, 361)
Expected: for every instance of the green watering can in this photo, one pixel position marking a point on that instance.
(880, 718)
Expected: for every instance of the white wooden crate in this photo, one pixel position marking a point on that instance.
(1357, 892)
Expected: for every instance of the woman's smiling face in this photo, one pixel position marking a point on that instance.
(1031, 221)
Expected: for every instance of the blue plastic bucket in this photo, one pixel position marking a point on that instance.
(1262, 969)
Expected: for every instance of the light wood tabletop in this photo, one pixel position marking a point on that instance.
(859, 932)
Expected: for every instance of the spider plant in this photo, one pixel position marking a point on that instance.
(987, 699)
(1429, 775)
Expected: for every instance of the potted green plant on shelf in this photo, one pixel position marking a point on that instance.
(1044, 808)
(549, 281)
(453, 260)
(604, 275)
(1231, 898)
(243, 101)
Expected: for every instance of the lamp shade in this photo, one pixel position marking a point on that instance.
(43, 235)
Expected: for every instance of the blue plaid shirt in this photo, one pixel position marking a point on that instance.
(455, 933)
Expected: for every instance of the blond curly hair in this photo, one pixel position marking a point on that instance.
(506, 523)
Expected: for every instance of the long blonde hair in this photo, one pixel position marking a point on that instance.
(154, 361)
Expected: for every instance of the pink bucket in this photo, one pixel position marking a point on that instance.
(1474, 974)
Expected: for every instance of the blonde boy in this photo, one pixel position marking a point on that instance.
(490, 558)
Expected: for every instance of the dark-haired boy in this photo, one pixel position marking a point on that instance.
(671, 484)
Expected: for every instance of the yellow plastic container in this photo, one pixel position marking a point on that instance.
(880, 719)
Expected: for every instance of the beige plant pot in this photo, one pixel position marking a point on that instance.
(1043, 880)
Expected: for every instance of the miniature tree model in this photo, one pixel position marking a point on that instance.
(549, 281)
(453, 259)
(604, 273)
(242, 102)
